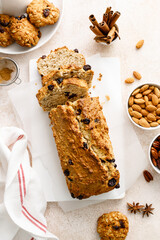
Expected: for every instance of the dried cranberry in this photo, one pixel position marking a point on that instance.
(4, 24)
(1, 30)
(111, 160)
(46, 12)
(72, 195)
(80, 197)
(76, 50)
(111, 182)
(43, 56)
(70, 162)
(66, 94)
(78, 111)
(103, 161)
(122, 223)
(50, 87)
(72, 96)
(115, 227)
(85, 120)
(59, 80)
(66, 172)
(115, 165)
(39, 34)
(86, 67)
(117, 186)
(96, 120)
(85, 146)
(41, 75)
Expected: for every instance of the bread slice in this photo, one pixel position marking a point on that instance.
(70, 72)
(84, 147)
(61, 57)
(58, 93)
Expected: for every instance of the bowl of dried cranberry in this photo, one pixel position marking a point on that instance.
(154, 153)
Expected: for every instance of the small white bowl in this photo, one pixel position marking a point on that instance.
(137, 125)
(149, 154)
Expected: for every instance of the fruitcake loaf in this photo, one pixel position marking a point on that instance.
(84, 147)
(70, 72)
(60, 91)
(61, 57)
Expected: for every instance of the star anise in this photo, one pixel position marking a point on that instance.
(135, 207)
(147, 210)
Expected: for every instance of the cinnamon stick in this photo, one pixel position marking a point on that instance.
(110, 16)
(108, 10)
(103, 27)
(111, 34)
(93, 20)
(105, 17)
(96, 31)
(114, 18)
(100, 39)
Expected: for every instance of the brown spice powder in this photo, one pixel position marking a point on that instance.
(5, 74)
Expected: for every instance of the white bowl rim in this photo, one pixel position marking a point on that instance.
(137, 125)
(149, 153)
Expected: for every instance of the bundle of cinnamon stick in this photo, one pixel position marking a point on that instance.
(106, 31)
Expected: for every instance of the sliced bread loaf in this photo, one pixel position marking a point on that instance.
(61, 57)
(57, 93)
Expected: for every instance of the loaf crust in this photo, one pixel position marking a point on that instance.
(84, 147)
(69, 72)
(57, 93)
(60, 57)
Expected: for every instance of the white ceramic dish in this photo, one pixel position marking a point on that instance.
(47, 34)
(151, 128)
(149, 155)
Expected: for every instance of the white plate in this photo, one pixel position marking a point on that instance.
(47, 33)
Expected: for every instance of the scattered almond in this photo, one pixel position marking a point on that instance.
(129, 80)
(137, 75)
(139, 44)
(100, 77)
(107, 97)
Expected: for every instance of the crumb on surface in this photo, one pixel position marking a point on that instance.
(100, 77)
(107, 97)
(94, 86)
(35, 83)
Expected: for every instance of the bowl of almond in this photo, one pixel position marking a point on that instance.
(154, 153)
(143, 106)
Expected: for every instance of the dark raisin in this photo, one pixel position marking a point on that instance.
(18, 18)
(70, 162)
(71, 180)
(111, 182)
(85, 146)
(1, 30)
(66, 172)
(115, 165)
(50, 87)
(59, 80)
(96, 120)
(43, 56)
(115, 227)
(80, 197)
(28, 17)
(122, 223)
(23, 16)
(39, 34)
(4, 24)
(86, 67)
(103, 161)
(76, 50)
(72, 96)
(41, 75)
(81, 96)
(66, 94)
(72, 195)
(46, 12)
(58, 68)
(85, 120)
(117, 186)
(78, 111)
(111, 160)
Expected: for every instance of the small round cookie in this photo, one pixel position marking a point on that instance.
(113, 226)
(42, 13)
(5, 37)
(23, 32)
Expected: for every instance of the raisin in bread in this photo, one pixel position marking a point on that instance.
(84, 147)
(61, 57)
(60, 91)
(70, 72)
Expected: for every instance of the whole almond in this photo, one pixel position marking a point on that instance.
(136, 91)
(151, 108)
(150, 96)
(158, 122)
(136, 108)
(144, 112)
(154, 124)
(158, 111)
(139, 101)
(139, 95)
(131, 101)
(157, 92)
(146, 100)
(136, 120)
(130, 110)
(136, 114)
(144, 88)
(148, 176)
(139, 44)
(154, 100)
(151, 117)
(151, 87)
(137, 75)
(142, 105)
(129, 80)
(158, 106)
(147, 92)
(144, 123)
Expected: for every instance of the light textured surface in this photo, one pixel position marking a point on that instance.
(139, 20)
